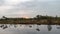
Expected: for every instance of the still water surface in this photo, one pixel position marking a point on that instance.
(29, 29)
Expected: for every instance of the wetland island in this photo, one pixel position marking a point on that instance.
(39, 19)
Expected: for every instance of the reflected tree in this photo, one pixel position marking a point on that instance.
(37, 28)
(5, 27)
(49, 27)
(15, 26)
(58, 27)
(1, 26)
(30, 26)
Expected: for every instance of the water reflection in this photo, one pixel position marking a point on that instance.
(30, 26)
(29, 29)
(58, 26)
(15, 26)
(37, 28)
(49, 27)
(5, 26)
(1, 26)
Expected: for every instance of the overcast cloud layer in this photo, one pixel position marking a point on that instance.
(29, 8)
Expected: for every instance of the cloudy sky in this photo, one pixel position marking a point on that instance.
(29, 8)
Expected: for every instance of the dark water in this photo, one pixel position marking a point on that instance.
(29, 29)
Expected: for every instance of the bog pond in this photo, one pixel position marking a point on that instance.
(29, 29)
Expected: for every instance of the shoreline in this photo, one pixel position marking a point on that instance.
(48, 20)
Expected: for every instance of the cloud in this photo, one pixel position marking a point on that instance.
(1, 2)
(29, 7)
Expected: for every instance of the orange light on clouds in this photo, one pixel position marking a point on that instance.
(26, 17)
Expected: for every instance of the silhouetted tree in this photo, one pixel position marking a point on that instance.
(3, 17)
(38, 17)
(56, 17)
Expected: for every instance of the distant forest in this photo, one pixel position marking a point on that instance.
(36, 17)
(39, 19)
